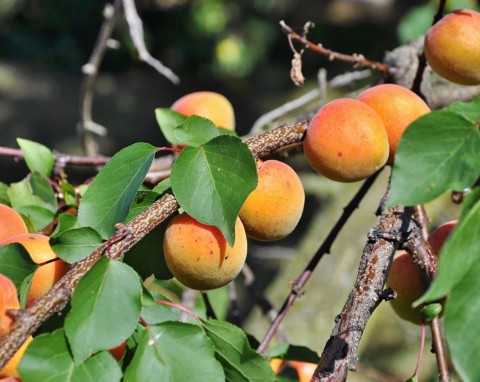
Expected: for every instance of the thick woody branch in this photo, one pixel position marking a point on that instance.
(341, 350)
(29, 320)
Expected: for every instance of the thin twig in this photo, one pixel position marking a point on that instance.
(356, 59)
(324, 249)
(136, 32)
(87, 126)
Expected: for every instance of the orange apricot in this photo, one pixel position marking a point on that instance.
(438, 236)
(10, 369)
(8, 300)
(346, 141)
(406, 278)
(213, 106)
(11, 223)
(199, 256)
(304, 370)
(44, 277)
(273, 209)
(451, 47)
(37, 246)
(397, 106)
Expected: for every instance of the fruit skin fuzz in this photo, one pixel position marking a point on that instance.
(199, 256)
(346, 141)
(452, 47)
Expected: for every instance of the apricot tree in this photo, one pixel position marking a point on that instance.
(87, 271)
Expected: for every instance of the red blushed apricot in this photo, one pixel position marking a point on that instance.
(8, 300)
(346, 141)
(119, 351)
(10, 369)
(438, 236)
(304, 370)
(273, 209)
(406, 278)
(44, 278)
(37, 246)
(11, 223)
(398, 107)
(213, 106)
(451, 47)
(199, 256)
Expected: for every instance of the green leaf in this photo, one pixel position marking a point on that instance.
(293, 352)
(459, 253)
(211, 182)
(24, 289)
(15, 263)
(76, 244)
(438, 152)
(177, 352)
(4, 199)
(195, 131)
(415, 22)
(32, 191)
(105, 309)
(168, 120)
(163, 186)
(107, 200)
(239, 360)
(36, 217)
(154, 313)
(219, 299)
(48, 359)
(147, 258)
(65, 223)
(38, 157)
(461, 324)
(68, 193)
(142, 200)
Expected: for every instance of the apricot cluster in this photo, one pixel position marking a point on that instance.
(350, 139)
(451, 47)
(49, 271)
(198, 255)
(408, 281)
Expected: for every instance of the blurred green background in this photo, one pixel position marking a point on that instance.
(236, 48)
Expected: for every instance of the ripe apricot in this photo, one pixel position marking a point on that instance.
(10, 369)
(8, 300)
(37, 246)
(11, 223)
(118, 351)
(274, 208)
(346, 141)
(397, 106)
(438, 236)
(406, 278)
(451, 47)
(213, 106)
(199, 256)
(304, 370)
(44, 277)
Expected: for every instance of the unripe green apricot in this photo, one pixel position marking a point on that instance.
(199, 256)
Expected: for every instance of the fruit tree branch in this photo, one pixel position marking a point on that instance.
(341, 350)
(356, 59)
(29, 320)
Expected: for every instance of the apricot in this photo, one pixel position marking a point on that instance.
(451, 47)
(11, 223)
(407, 279)
(213, 106)
(273, 209)
(397, 106)
(37, 246)
(118, 351)
(304, 370)
(199, 256)
(346, 141)
(438, 236)
(8, 300)
(10, 369)
(44, 277)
